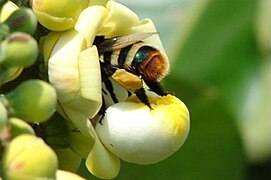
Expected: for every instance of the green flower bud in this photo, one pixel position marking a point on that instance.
(58, 15)
(19, 127)
(23, 20)
(28, 157)
(18, 50)
(10, 74)
(3, 116)
(33, 101)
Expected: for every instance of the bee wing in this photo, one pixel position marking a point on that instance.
(120, 42)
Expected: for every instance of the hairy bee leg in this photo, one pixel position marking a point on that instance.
(156, 87)
(141, 94)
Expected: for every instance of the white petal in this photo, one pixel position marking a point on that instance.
(139, 135)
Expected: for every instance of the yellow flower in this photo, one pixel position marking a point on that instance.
(58, 15)
(74, 70)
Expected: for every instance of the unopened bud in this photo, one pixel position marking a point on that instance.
(33, 101)
(18, 50)
(23, 20)
(19, 127)
(28, 157)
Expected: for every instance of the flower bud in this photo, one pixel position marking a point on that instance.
(11, 73)
(58, 15)
(22, 20)
(33, 101)
(28, 157)
(19, 127)
(18, 50)
(139, 135)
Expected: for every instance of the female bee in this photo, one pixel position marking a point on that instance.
(129, 61)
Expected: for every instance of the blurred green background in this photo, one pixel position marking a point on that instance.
(220, 53)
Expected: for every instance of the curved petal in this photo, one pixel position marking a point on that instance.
(119, 21)
(47, 44)
(146, 25)
(102, 163)
(90, 21)
(90, 78)
(7, 10)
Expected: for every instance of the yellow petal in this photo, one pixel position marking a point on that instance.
(119, 21)
(139, 135)
(54, 23)
(7, 10)
(58, 15)
(90, 77)
(47, 44)
(90, 21)
(146, 25)
(102, 163)
(80, 121)
(65, 77)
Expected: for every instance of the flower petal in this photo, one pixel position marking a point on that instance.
(139, 135)
(7, 10)
(119, 21)
(90, 77)
(102, 163)
(90, 21)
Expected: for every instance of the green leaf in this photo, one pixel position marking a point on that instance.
(220, 49)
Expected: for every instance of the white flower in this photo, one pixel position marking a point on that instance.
(136, 134)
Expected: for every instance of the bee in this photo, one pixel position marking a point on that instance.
(129, 61)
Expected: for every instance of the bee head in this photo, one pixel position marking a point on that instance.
(152, 64)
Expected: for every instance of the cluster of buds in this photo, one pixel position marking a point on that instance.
(27, 103)
(128, 130)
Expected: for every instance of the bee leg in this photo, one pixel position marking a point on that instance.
(141, 94)
(110, 89)
(101, 112)
(156, 87)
